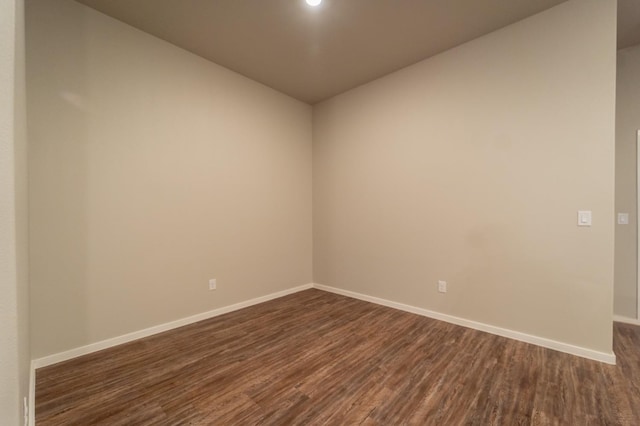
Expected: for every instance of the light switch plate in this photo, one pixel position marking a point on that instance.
(584, 218)
(623, 218)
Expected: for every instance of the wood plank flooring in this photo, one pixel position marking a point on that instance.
(316, 358)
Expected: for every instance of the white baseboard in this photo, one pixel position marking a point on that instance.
(608, 358)
(108, 343)
(32, 394)
(626, 320)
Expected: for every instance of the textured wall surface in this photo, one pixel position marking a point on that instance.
(627, 125)
(14, 330)
(151, 171)
(470, 167)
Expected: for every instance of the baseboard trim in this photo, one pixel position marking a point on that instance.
(608, 358)
(115, 341)
(626, 320)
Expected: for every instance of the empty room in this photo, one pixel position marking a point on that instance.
(310, 212)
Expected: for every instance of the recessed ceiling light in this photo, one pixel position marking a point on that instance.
(313, 2)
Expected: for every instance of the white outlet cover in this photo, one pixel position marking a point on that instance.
(212, 284)
(584, 218)
(623, 218)
(442, 286)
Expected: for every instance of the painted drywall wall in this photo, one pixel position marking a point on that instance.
(152, 171)
(14, 331)
(9, 380)
(21, 206)
(470, 167)
(627, 125)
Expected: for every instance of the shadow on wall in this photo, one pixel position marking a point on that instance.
(58, 159)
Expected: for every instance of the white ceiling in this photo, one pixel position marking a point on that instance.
(315, 53)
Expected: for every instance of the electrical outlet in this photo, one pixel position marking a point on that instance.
(623, 218)
(442, 286)
(212, 284)
(584, 218)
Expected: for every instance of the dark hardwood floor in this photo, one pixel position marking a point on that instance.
(318, 358)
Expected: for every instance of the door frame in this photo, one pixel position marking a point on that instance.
(638, 225)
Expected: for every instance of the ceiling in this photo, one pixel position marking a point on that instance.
(314, 53)
(628, 23)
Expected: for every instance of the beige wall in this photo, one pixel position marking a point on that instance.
(470, 167)
(14, 332)
(22, 203)
(627, 125)
(151, 171)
